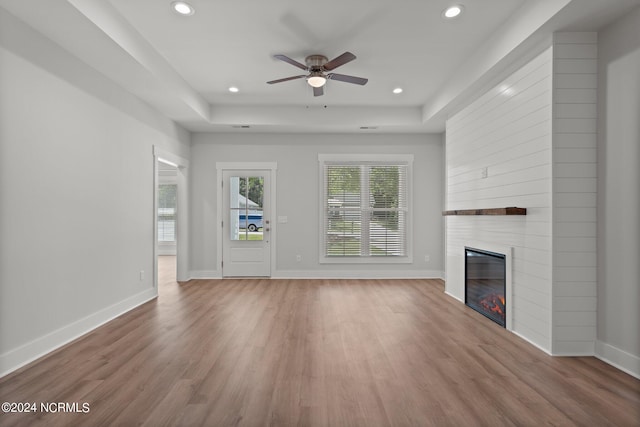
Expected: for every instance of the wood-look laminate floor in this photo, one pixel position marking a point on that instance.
(315, 352)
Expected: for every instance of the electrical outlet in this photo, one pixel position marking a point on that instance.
(427, 258)
(141, 275)
(298, 258)
(484, 172)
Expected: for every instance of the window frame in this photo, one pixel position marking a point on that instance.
(365, 160)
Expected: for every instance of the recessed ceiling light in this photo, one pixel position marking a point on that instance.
(453, 11)
(397, 90)
(183, 8)
(234, 89)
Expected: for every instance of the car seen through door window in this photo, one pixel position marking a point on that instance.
(252, 221)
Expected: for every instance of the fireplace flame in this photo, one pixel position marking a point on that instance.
(494, 303)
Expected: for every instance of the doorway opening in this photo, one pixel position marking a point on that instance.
(166, 223)
(170, 206)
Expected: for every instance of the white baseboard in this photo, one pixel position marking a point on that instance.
(573, 348)
(533, 343)
(27, 353)
(332, 274)
(204, 274)
(453, 296)
(357, 274)
(617, 358)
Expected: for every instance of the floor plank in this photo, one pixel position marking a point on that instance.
(257, 352)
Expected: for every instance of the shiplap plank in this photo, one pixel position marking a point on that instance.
(575, 244)
(579, 289)
(575, 125)
(575, 185)
(575, 318)
(575, 155)
(575, 111)
(572, 303)
(574, 140)
(576, 96)
(575, 333)
(576, 66)
(575, 81)
(574, 274)
(576, 259)
(575, 200)
(575, 170)
(574, 229)
(576, 51)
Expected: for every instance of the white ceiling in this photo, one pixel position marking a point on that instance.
(184, 66)
(229, 42)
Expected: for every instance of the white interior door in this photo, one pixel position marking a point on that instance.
(246, 243)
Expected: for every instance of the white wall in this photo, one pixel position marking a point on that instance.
(508, 130)
(619, 193)
(76, 171)
(575, 70)
(297, 198)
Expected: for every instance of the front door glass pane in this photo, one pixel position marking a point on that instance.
(246, 206)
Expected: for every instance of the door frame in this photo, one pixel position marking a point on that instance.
(182, 210)
(272, 167)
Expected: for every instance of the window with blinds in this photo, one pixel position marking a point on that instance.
(365, 209)
(167, 212)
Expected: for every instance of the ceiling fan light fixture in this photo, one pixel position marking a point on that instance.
(316, 79)
(182, 8)
(317, 66)
(452, 11)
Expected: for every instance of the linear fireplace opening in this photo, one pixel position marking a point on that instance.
(485, 283)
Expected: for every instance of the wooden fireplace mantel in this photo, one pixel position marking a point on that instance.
(492, 211)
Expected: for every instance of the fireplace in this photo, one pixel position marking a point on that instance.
(485, 283)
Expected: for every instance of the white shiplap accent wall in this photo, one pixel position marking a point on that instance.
(574, 193)
(508, 131)
(534, 137)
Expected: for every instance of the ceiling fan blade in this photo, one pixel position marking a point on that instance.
(348, 79)
(318, 91)
(290, 61)
(286, 79)
(340, 60)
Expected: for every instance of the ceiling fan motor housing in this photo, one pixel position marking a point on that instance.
(316, 62)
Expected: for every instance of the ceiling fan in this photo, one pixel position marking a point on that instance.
(317, 67)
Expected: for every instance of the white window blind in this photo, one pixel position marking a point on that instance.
(167, 212)
(365, 209)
